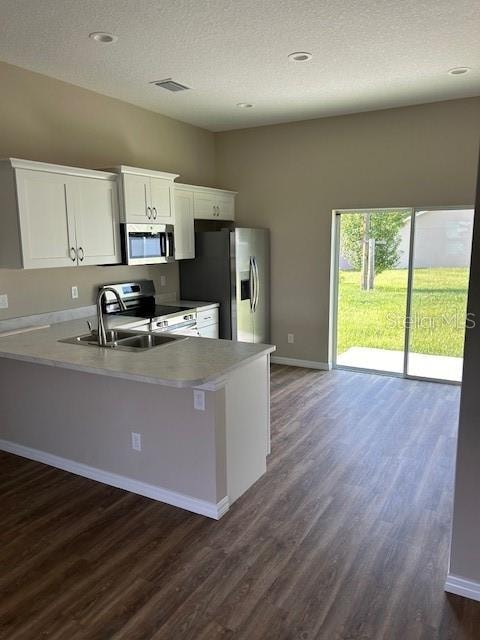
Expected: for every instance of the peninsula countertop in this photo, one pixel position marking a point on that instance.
(189, 362)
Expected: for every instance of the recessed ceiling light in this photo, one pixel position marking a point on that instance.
(244, 105)
(300, 56)
(101, 36)
(459, 71)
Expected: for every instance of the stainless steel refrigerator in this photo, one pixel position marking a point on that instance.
(232, 267)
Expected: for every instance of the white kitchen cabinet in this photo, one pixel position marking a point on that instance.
(96, 221)
(161, 197)
(208, 322)
(55, 216)
(46, 220)
(210, 331)
(184, 229)
(211, 204)
(146, 195)
(136, 198)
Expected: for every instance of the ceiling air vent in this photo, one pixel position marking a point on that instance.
(170, 85)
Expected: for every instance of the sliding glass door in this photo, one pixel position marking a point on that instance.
(373, 249)
(401, 286)
(439, 287)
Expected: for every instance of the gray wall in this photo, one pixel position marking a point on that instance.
(465, 549)
(52, 121)
(290, 177)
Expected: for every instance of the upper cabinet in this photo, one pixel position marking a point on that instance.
(56, 216)
(146, 196)
(184, 228)
(193, 202)
(97, 221)
(212, 204)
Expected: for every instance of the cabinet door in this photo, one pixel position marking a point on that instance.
(96, 220)
(161, 200)
(136, 195)
(46, 223)
(184, 230)
(210, 331)
(204, 205)
(226, 207)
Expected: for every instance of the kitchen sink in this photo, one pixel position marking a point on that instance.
(122, 340)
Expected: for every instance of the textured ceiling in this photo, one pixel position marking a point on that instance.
(366, 55)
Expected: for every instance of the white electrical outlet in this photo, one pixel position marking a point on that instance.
(290, 338)
(74, 293)
(136, 441)
(4, 301)
(163, 281)
(199, 400)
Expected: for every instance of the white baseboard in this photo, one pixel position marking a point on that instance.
(463, 587)
(295, 362)
(202, 507)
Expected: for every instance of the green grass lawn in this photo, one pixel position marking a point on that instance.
(376, 318)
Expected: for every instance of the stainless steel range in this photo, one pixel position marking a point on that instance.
(139, 301)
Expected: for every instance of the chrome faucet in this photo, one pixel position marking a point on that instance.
(102, 336)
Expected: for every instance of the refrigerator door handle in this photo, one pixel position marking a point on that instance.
(257, 283)
(252, 284)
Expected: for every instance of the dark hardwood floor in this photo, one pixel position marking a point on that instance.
(346, 537)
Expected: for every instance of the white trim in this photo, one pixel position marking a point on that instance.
(149, 173)
(196, 187)
(333, 295)
(462, 587)
(222, 507)
(295, 362)
(204, 508)
(33, 165)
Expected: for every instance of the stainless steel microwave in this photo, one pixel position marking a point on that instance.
(148, 243)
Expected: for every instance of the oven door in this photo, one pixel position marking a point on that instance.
(148, 243)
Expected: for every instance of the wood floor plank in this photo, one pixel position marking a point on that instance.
(345, 538)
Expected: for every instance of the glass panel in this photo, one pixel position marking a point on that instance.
(372, 288)
(144, 246)
(441, 266)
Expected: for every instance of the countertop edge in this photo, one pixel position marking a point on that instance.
(178, 384)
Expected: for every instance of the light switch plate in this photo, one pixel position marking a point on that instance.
(199, 400)
(4, 301)
(163, 281)
(136, 441)
(74, 293)
(290, 338)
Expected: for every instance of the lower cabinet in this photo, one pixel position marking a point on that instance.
(207, 322)
(210, 331)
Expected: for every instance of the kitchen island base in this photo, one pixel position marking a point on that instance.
(198, 459)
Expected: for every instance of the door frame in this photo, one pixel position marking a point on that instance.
(334, 288)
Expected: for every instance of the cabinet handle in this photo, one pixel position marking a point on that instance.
(149, 213)
(73, 254)
(154, 213)
(81, 257)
